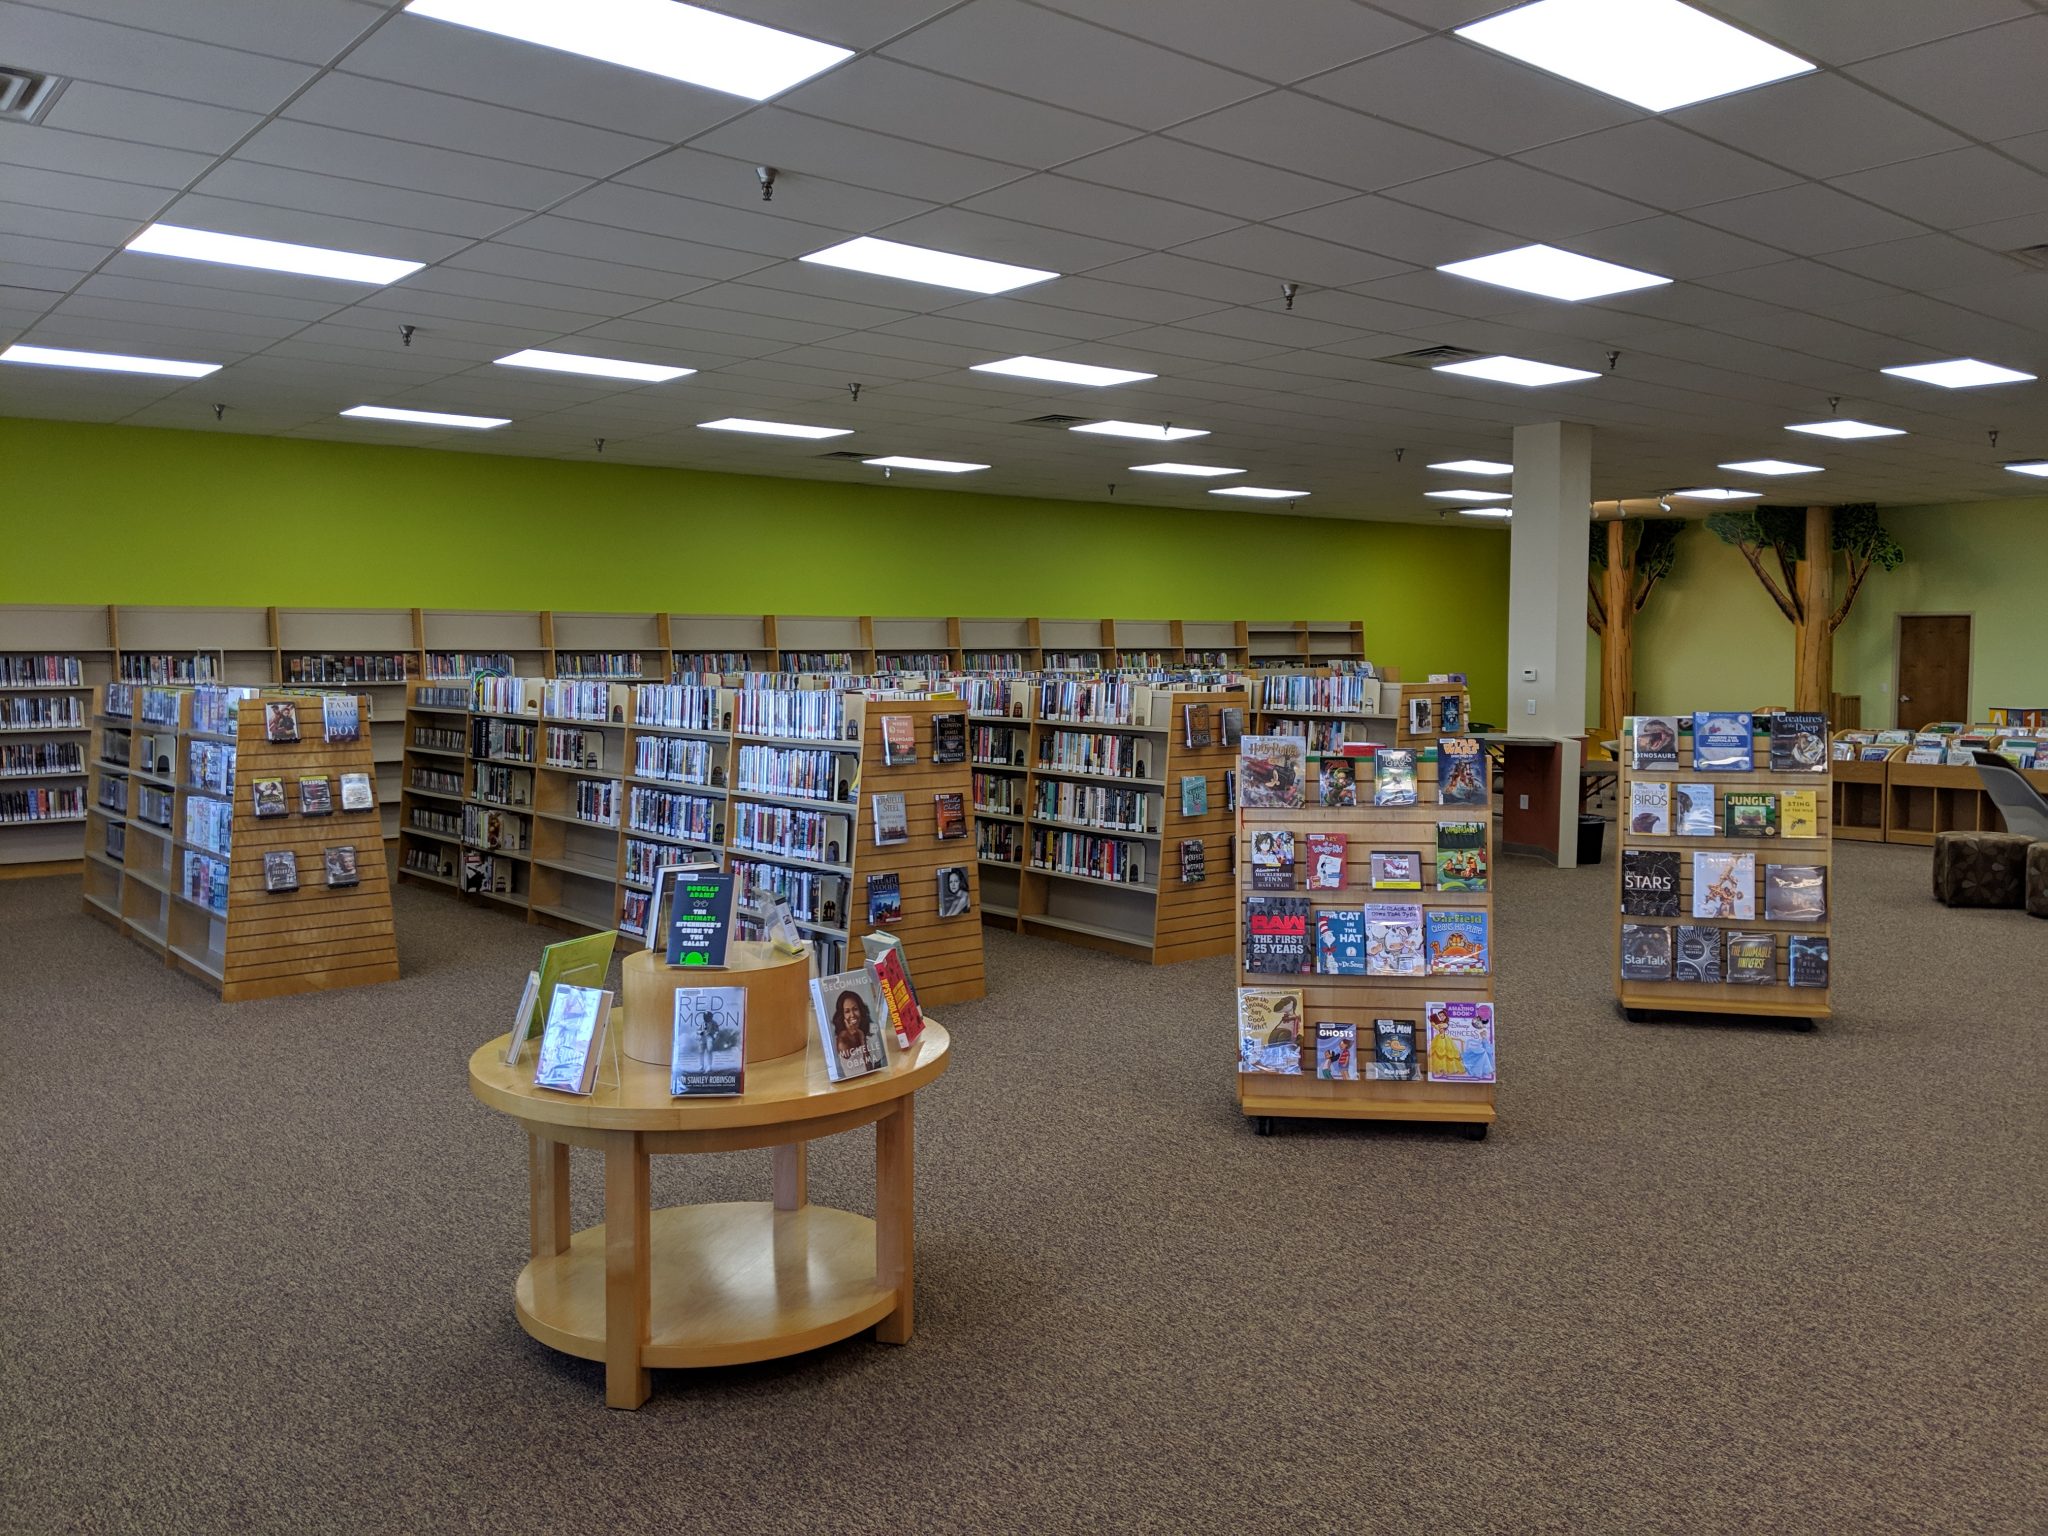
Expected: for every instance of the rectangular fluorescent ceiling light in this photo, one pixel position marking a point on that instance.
(269, 255)
(936, 466)
(107, 362)
(917, 264)
(1053, 371)
(1515, 370)
(660, 37)
(1960, 373)
(1257, 492)
(2036, 467)
(597, 367)
(1467, 495)
(1555, 274)
(1843, 428)
(1500, 512)
(772, 428)
(1199, 471)
(1717, 493)
(1140, 429)
(1770, 467)
(1656, 54)
(424, 418)
(1474, 467)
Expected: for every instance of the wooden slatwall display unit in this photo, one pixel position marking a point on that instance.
(48, 727)
(693, 638)
(452, 640)
(1194, 917)
(1435, 694)
(945, 954)
(606, 646)
(579, 803)
(1859, 797)
(1359, 1000)
(430, 849)
(375, 651)
(319, 937)
(914, 645)
(1779, 999)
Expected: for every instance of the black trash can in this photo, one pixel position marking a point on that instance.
(1592, 837)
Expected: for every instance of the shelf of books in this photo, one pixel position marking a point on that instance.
(46, 697)
(1722, 888)
(1900, 786)
(1365, 934)
(1858, 773)
(1325, 707)
(374, 652)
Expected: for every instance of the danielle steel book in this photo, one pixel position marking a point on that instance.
(1456, 943)
(708, 1052)
(1337, 1052)
(572, 1044)
(1269, 1030)
(1271, 772)
(1393, 940)
(892, 821)
(1460, 1042)
(1340, 941)
(850, 1024)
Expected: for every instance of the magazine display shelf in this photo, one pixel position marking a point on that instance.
(1804, 1007)
(1859, 797)
(1358, 1000)
(708, 1285)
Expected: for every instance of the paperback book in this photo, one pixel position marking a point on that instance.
(899, 740)
(708, 1054)
(885, 899)
(1269, 1030)
(1806, 960)
(1461, 771)
(1337, 1052)
(1393, 776)
(1649, 807)
(1724, 885)
(1276, 935)
(1723, 743)
(1394, 1053)
(1799, 813)
(1194, 795)
(1194, 864)
(1340, 941)
(1450, 714)
(1645, 952)
(1272, 859)
(1753, 959)
(892, 821)
(1750, 814)
(1337, 781)
(1655, 742)
(1696, 954)
(572, 1044)
(357, 792)
(1325, 854)
(1456, 943)
(849, 1018)
(949, 738)
(1795, 893)
(1460, 856)
(898, 998)
(1231, 718)
(569, 962)
(1799, 743)
(955, 895)
(1272, 772)
(1396, 871)
(1421, 717)
(1196, 729)
(1649, 883)
(1693, 810)
(1460, 1042)
(341, 865)
(949, 815)
(1394, 940)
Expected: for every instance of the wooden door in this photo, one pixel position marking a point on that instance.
(1933, 669)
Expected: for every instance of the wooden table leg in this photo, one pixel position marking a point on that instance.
(627, 1266)
(895, 1236)
(793, 1176)
(547, 1195)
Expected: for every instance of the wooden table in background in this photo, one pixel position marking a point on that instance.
(699, 1285)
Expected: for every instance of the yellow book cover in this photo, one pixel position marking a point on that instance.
(1798, 813)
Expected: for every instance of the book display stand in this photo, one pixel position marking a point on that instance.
(1689, 934)
(1362, 1000)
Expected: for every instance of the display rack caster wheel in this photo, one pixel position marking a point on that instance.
(1476, 1132)
(1262, 1125)
(1635, 1015)
(1806, 1026)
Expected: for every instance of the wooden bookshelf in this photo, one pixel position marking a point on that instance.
(1777, 999)
(1359, 1000)
(47, 677)
(1325, 707)
(1858, 801)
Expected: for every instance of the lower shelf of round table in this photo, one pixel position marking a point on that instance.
(727, 1284)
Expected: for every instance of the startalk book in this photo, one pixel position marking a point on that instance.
(1276, 939)
(708, 1048)
(1750, 813)
(1393, 939)
(1798, 813)
(1337, 1052)
(1723, 743)
(1394, 1053)
(1393, 776)
(899, 739)
(1724, 885)
(1337, 781)
(1645, 952)
(1269, 1030)
(1806, 960)
(1655, 742)
(1272, 772)
(1395, 871)
(1696, 954)
(1340, 941)
(1461, 772)
(1460, 856)
(851, 1023)
(1795, 893)
(1753, 959)
(1799, 743)
(1649, 883)
(1649, 807)
(1325, 852)
(1455, 943)
(1692, 810)
(1460, 1042)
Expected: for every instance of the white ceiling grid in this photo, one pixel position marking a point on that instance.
(1178, 162)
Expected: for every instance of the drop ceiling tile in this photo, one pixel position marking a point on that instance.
(54, 149)
(1674, 247)
(811, 146)
(849, 23)
(519, 290)
(1270, 323)
(680, 345)
(48, 280)
(1808, 220)
(82, 48)
(894, 98)
(1820, 337)
(740, 228)
(62, 224)
(410, 304)
(1445, 295)
(1084, 208)
(573, 271)
(1225, 183)
(815, 200)
(1417, 235)
(1799, 285)
(167, 284)
(1526, 202)
(334, 229)
(1182, 342)
(2018, 297)
(311, 31)
(1364, 312)
(1054, 320)
(1048, 57)
(716, 325)
(83, 324)
(1296, 133)
(984, 235)
(1965, 186)
(1185, 275)
(753, 302)
(1277, 40)
(841, 364)
(1927, 263)
(143, 118)
(1820, 125)
(2029, 147)
(1986, 83)
(79, 194)
(989, 342)
(1840, 31)
(390, 162)
(1914, 317)
(575, 237)
(1660, 165)
(53, 255)
(1285, 256)
(1122, 300)
(244, 181)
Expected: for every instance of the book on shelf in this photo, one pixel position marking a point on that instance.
(1274, 772)
(341, 865)
(1460, 1042)
(1646, 952)
(1806, 960)
(1230, 718)
(316, 796)
(899, 740)
(1194, 865)
(1723, 742)
(1269, 1030)
(1340, 941)
(280, 870)
(1456, 943)
(1394, 939)
(949, 738)
(1752, 959)
(1696, 954)
(892, 820)
(572, 1043)
(1461, 856)
(1194, 794)
(1325, 853)
(1649, 807)
(898, 997)
(885, 899)
(1336, 781)
(1197, 729)
(267, 796)
(1276, 940)
(955, 895)
(1395, 871)
(1724, 885)
(700, 919)
(1461, 777)
(1272, 859)
(1693, 810)
(1798, 813)
(281, 720)
(1393, 776)
(1337, 1052)
(1655, 742)
(949, 815)
(1795, 893)
(1394, 1051)
(708, 1047)
(1649, 882)
(483, 875)
(340, 717)
(1799, 743)
(357, 792)
(1421, 716)
(849, 1016)
(1750, 813)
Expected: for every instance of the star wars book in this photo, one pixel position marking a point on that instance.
(572, 1044)
(268, 797)
(1750, 813)
(1272, 859)
(899, 739)
(949, 738)
(1645, 952)
(1276, 938)
(1723, 743)
(1269, 1030)
(1692, 810)
(316, 797)
(949, 815)
(1649, 883)
(1799, 743)
(1696, 954)
(1325, 852)
(357, 792)
(1337, 1052)
(1753, 959)
(1649, 807)
(1798, 813)
(1655, 742)
(892, 986)
(708, 1053)
(280, 870)
(1455, 943)
(1795, 893)
(885, 899)
(1194, 794)
(1272, 772)
(1460, 1042)
(341, 865)
(1336, 781)
(1461, 772)
(851, 1023)
(1393, 776)
(1460, 856)
(1806, 960)
(892, 822)
(1340, 941)
(1393, 940)
(281, 721)
(1395, 1056)
(1395, 870)
(1724, 885)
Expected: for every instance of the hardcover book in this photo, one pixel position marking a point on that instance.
(1450, 714)
(1750, 814)
(1645, 952)
(1337, 781)
(572, 1044)
(1337, 1052)
(522, 1016)
(281, 720)
(1272, 859)
(1231, 718)
(949, 738)
(1196, 729)
(570, 962)
(1696, 955)
(1272, 772)
(1456, 943)
(949, 815)
(1723, 743)
(899, 999)
(1724, 885)
(892, 821)
(1799, 813)
(341, 865)
(1806, 960)
(1649, 883)
(1194, 863)
(357, 792)
(280, 870)
(268, 797)
(955, 895)
(1269, 1030)
(700, 920)
(1421, 717)
(1276, 935)
(899, 739)
(1799, 743)
(1460, 1042)
(1693, 810)
(1394, 1052)
(849, 1018)
(1325, 853)
(1655, 742)
(1753, 958)
(1340, 941)
(1461, 777)
(1393, 776)
(885, 899)
(316, 797)
(1194, 794)
(1460, 856)
(1874, 754)
(1649, 807)
(1396, 871)
(1795, 893)
(340, 717)
(708, 1054)
(1393, 940)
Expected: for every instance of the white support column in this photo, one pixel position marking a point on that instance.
(1547, 601)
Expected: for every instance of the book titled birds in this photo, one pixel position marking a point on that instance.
(1272, 772)
(850, 1021)
(1337, 1052)
(1649, 807)
(1724, 885)
(1393, 776)
(1461, 772)
(1456, 943)
(1269, 1030)
(1276, 935)
(1723, 743)
(1340, 941)
(1460, 1042)
(708, 1052)
(1460, 856)
(1649, 882)
(1393, 939)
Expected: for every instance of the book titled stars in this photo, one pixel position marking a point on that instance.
(1649, 883)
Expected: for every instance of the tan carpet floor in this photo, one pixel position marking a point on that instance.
(258, 1262)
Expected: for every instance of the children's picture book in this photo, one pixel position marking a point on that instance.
(949, 738)
(1795, 893)
(340, 717)
(1231, 718)
(1272, 859)
(1269, 1030)
(700, 920)
(1276, 935)
(899, 999)
(1692, 810)
(1799, 743)
(1394, 1052)
(892, 822)
(572, 1044)
(1395, 871)
(281, 720)
(1196, 729)
(1194, 863)
(1336, 780)
(357, 792)
(899, 739)
(316, 796)
(708, 1054)
(885, 899)
(1649, 807)
(1421, 716)
(1456, 943)
(1655, 742)
(1806, 960)
(1696, 954)
(1393, 939)
(955, 895)
(1750, 813)
(1753, 959)
(850, 1024)
(1798, 813)
(1723, 743)
(1325, 852)
(1340, 941)
(1194, 794)
(1460, 1042)
(268, 796)
(341, 865)
(1337, 1052)
(1724, 885)
(1393, 776)
(1461, 856)
(1645, 952)
(1873, 754)
(1272, 771)
(949, 815)
(1450, 714)
(280, 870)
(522, 1016)
(1461, 777)
(1649, 883)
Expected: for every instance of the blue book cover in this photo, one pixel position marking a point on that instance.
(1456, 943)
(1340, 941)
(1723, 742)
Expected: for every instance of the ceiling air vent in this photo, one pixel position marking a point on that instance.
(2035, 256)
(845, 455)
(1431, 357)
(1054, 420)
(25, 95)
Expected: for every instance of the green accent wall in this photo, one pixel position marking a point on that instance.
(146, 515)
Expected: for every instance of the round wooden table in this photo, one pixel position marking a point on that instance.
(701, 1285)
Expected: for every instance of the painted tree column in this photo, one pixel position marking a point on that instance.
(1546, 689)
(1813, 634)
(1618, 641)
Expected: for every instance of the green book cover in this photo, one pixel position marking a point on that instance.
(1751, 815)
(573, 962)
